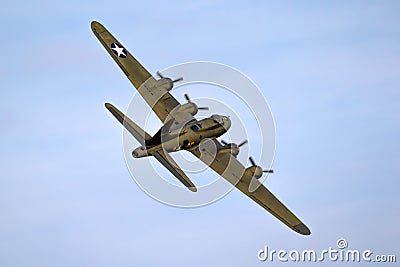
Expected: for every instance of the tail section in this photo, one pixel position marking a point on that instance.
(141, 136)
(132, 127)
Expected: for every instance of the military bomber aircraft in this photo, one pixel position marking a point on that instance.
(181, 131)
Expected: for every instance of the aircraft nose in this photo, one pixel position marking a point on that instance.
(228, 123)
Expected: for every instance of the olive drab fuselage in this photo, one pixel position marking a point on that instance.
(173, 137)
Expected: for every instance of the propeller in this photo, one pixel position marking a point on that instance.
(188, 100)
(255, 165)
(235, 148)
(162, 76)
(243, 143)
(239, 145)
(177, 80)
(252, 161)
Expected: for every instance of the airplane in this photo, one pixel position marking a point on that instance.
(181, 131)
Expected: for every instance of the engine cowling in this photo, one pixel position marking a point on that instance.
(255, 171)
(188, 108)
(232, 148)
(165, 83)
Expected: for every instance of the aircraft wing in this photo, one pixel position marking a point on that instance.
(234, 172)
(172, 166)
(162, 157)
(155, 92)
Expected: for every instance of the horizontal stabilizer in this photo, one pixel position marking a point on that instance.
(162, 157)
(132, 127)
(171, 165)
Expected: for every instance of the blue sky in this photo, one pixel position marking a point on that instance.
(330, 72)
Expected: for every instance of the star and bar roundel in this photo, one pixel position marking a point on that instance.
(118, 50)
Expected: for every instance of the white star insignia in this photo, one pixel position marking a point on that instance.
(119, 50)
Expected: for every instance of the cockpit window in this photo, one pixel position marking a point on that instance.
(195, 127)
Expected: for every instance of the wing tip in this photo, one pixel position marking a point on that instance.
(301, 228)
(108, 105)
(96, 27)
(94, 24)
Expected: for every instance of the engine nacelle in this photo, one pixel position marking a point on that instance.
(255, 171)
(187, 108)
(165, 83)
(232, 148)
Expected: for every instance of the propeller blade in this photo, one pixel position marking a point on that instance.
(252, 161)
(187, 98)
(224, 142)
(177, 80)
(269, 171)
(159, 74)
(243, 143)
